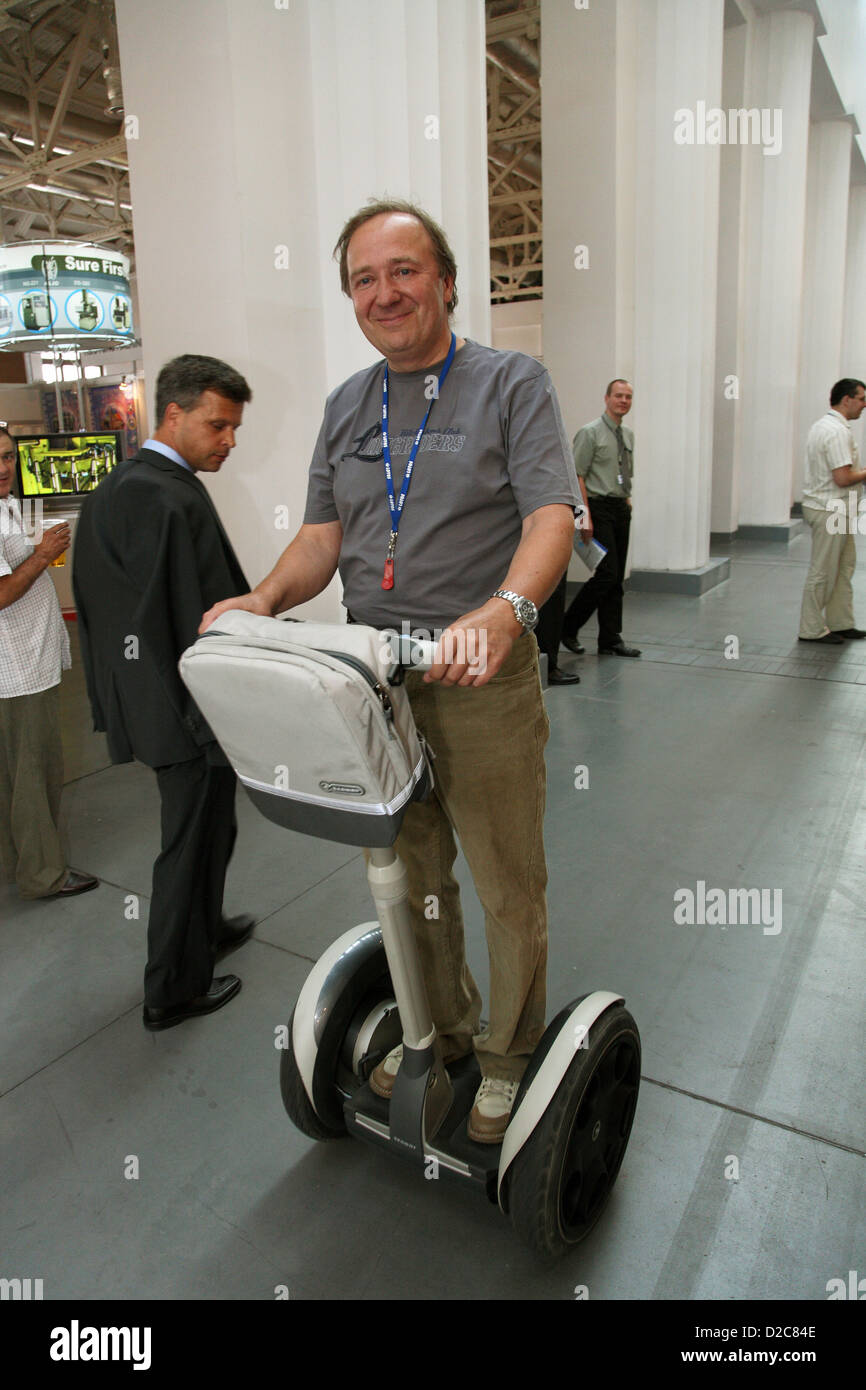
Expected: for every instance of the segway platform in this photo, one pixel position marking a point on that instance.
(451, 1154)
(317, 725)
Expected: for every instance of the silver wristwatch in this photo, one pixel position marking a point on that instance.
(525, 610)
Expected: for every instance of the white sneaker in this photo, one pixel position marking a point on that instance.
(491, 1112)
(382, 1078)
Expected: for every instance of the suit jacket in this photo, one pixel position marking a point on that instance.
(150, 557)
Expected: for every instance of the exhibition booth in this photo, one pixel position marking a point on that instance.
(67, 306)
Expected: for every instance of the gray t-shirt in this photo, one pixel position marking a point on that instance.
(493, 452)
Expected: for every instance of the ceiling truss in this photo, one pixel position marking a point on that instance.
(514, 149)
(63, 164)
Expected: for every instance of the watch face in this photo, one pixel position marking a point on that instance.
(527, 612)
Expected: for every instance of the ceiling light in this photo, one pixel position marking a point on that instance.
(61, 149)
(80, 197)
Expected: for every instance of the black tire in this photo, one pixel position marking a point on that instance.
(298, 1106)
(561, 1179)
(364, 990)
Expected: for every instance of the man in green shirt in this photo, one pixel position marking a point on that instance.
(603, 453)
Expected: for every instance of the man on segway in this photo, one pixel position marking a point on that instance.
(443, 488)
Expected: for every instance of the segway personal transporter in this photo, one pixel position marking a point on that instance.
(316, 723)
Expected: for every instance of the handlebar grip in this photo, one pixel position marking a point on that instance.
(412, 652)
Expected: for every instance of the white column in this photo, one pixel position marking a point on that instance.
(823, 276)
(630, 242)
(854, 323)
(729, 300)
(261, 128)
(677, 190)
(580, 163)
(778, 81)
(463, 208)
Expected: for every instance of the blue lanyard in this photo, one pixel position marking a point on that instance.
(395, 505)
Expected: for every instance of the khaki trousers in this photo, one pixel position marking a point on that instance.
(828, 584)
(31, 782)
(490, 792)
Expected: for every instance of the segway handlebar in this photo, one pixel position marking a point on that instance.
(420, 653)
(414, 652)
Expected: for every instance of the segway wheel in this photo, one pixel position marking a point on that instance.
(297, 1102)
(563, 1176)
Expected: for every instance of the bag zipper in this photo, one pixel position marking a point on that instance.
(364, 671)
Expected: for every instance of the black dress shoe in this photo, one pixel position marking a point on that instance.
(233, 932)
(573, 645)
(830, 639)
(854, 633)
(221, 991)
(75, 883)
(618, 649)
(557, 677)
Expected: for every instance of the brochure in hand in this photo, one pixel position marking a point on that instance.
(590, 552)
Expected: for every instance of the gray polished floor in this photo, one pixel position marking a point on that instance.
(744, 1178)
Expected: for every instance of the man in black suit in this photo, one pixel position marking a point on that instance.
(150, 556)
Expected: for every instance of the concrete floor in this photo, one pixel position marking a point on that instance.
(743, 772)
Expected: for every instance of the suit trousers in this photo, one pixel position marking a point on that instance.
(548, 632)
(198, 836)
(488, 746)
(611, 523)
(828, 588)
(31, 782)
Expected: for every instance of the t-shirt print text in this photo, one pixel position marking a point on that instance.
(368, 446)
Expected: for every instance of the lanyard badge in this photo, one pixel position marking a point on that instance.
(395, 505)
(621, 450)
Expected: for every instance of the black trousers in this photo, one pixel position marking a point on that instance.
(198, 836)
(548, 631)
(611, 523)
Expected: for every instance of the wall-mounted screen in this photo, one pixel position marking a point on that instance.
(66, 465)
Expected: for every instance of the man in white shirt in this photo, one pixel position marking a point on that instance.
(35, 649)
(832, 469)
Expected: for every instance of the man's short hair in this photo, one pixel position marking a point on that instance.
(4, 434)
(183, 380)
(846, 387)
(611, 384)
(375, 208)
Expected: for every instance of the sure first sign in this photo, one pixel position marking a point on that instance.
(64, 294)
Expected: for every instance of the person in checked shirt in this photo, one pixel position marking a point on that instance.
(34, 649)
